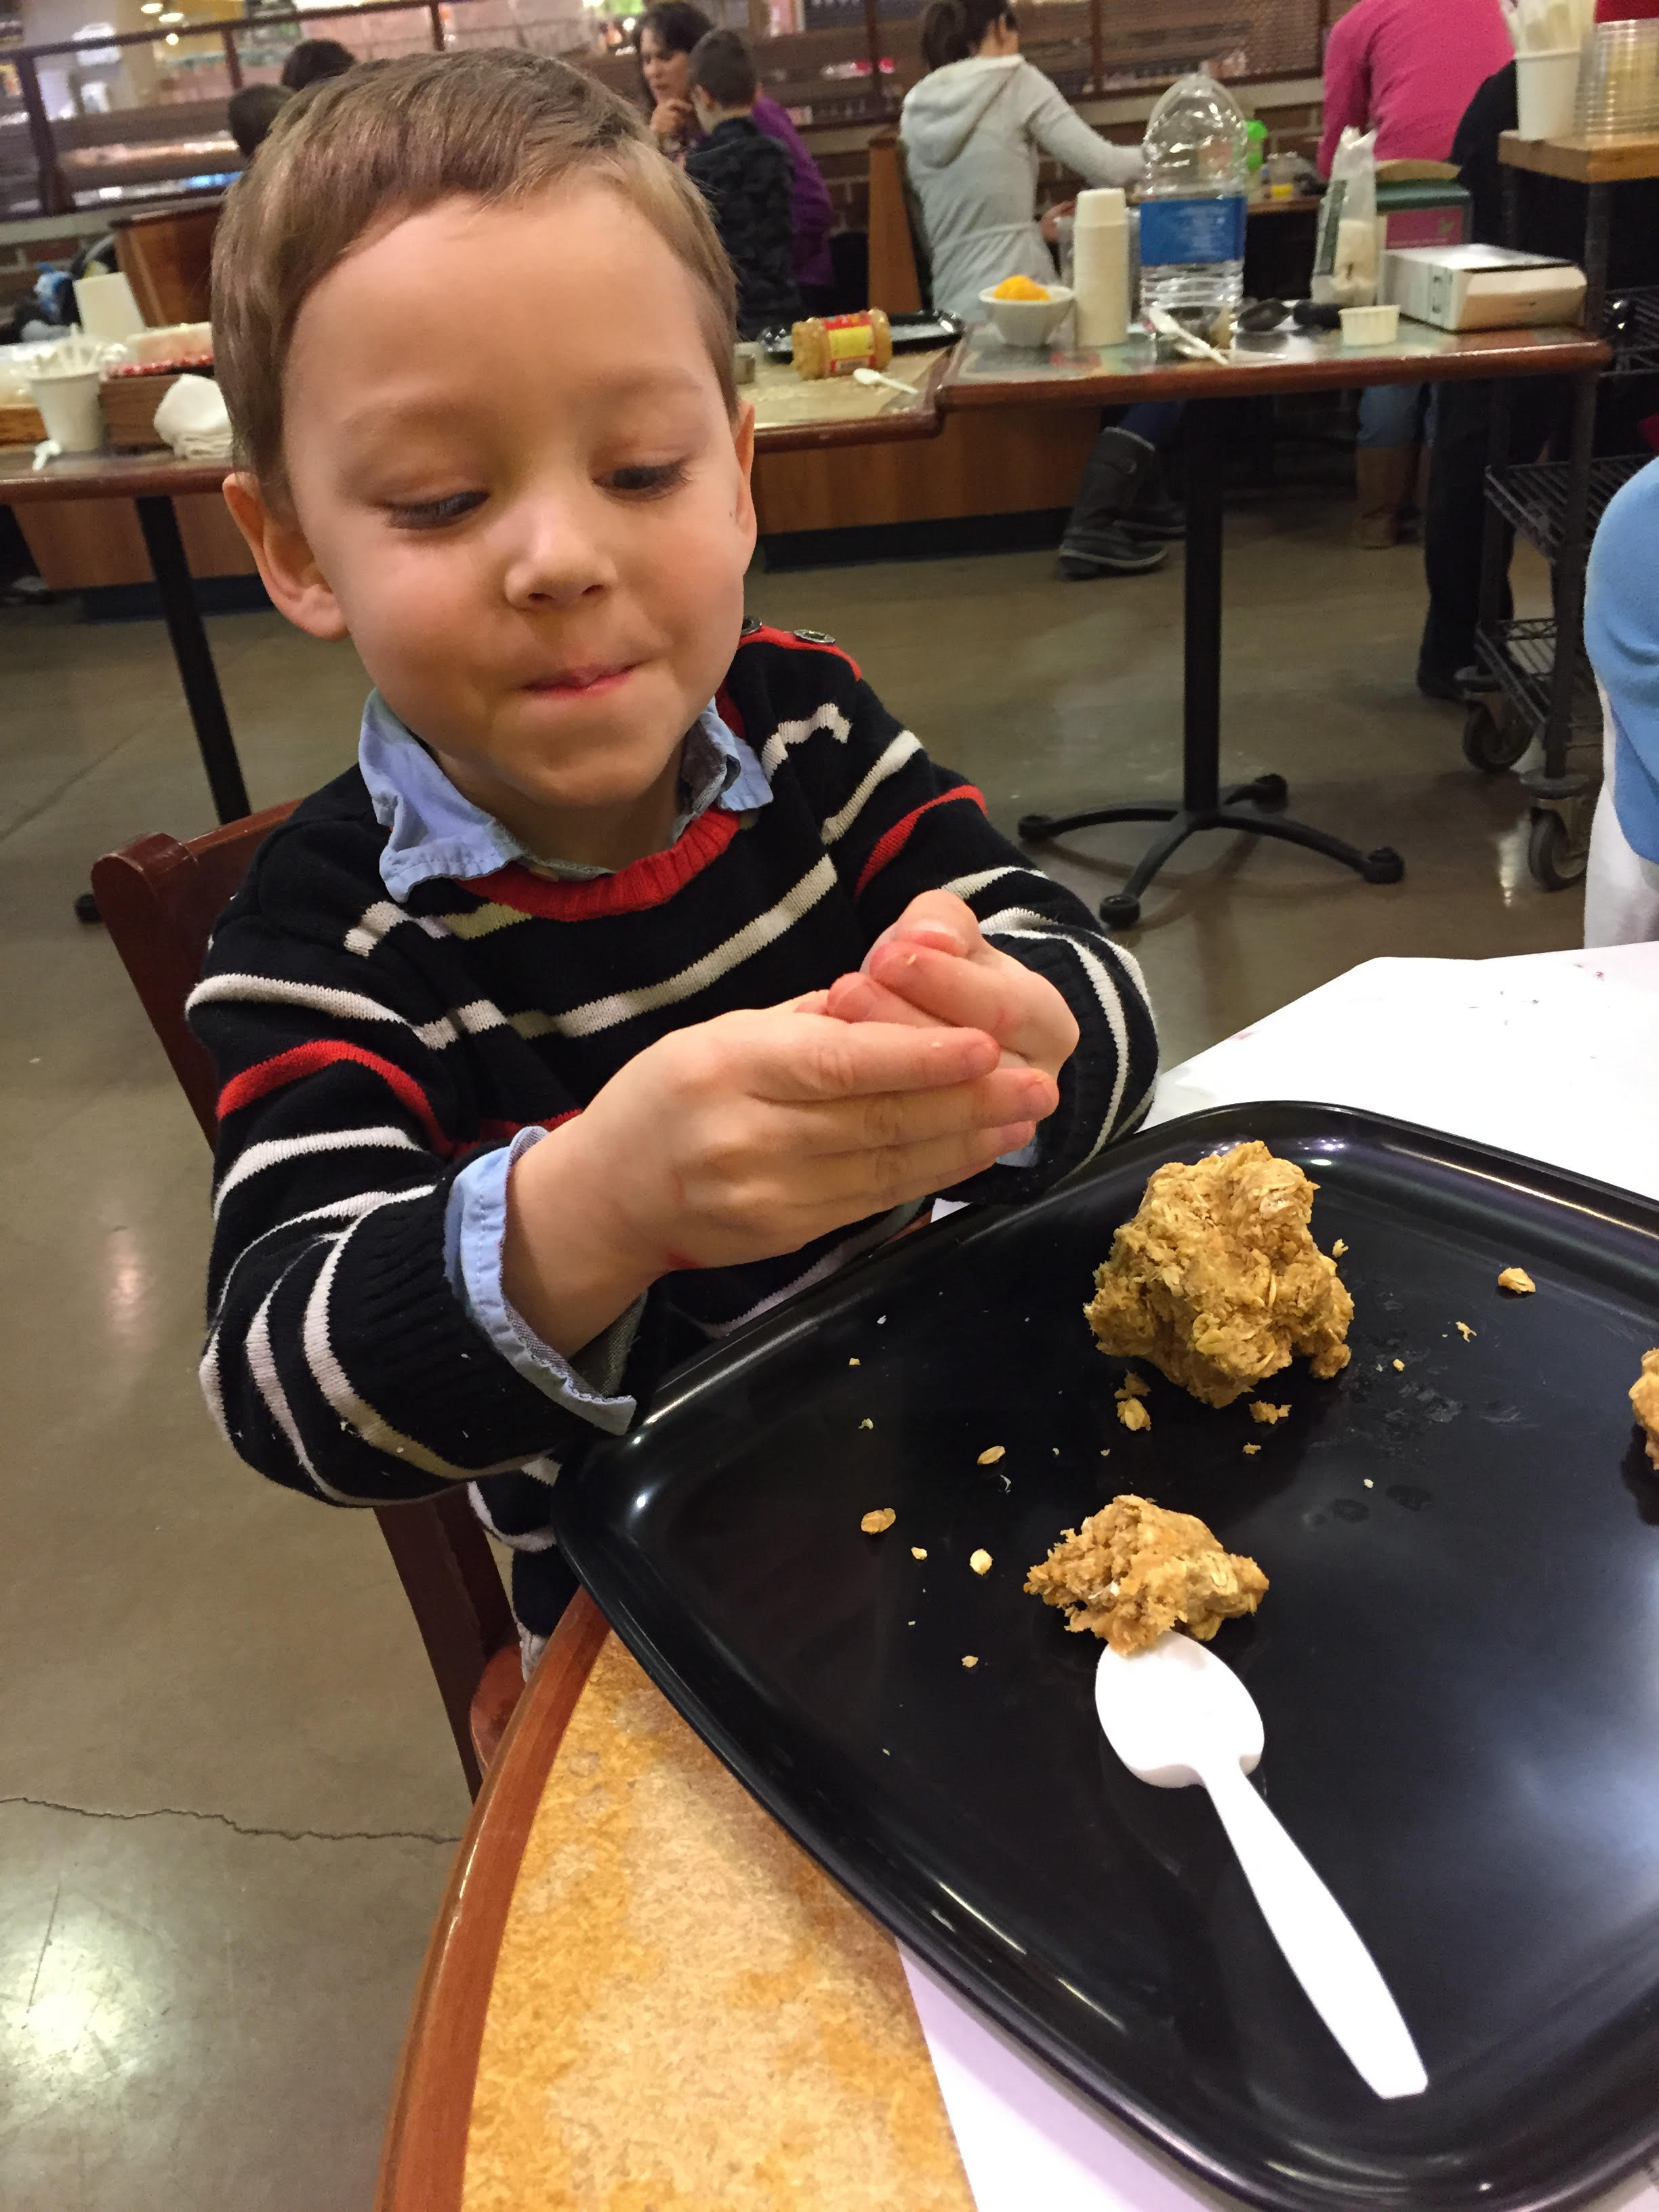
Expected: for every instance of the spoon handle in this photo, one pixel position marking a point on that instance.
(1317, 1938)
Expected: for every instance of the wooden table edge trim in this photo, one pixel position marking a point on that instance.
(115, 477)
(423, 2156)
(923, 421)
(1205, 380)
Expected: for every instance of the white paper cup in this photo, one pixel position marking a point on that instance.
(107, 307)
(1369, 327)
(1545, 92)
(69, 407)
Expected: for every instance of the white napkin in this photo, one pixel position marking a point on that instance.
(193, 421)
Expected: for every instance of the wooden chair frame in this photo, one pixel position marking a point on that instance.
(160, 900)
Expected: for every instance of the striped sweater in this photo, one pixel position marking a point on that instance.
(368, 1048)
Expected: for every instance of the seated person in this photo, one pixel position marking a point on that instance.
(1621, 636)
(644, 969)
(251, 113)
(745, 178)
(314, 59)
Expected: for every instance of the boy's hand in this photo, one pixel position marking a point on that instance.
(932, 966)
(745, 1137)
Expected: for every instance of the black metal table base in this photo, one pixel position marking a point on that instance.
(1242, 808)
(1235, 812)
(193, 658)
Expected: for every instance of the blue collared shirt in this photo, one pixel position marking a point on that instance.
(1621, 636)
(433, 831)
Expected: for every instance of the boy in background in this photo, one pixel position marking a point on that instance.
(644, 970)
(747, 180)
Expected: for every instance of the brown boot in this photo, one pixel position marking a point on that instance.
(1384, 475)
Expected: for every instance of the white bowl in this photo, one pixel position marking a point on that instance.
(1027, 322)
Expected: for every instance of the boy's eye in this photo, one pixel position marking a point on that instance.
(434, 514)
(664, 477)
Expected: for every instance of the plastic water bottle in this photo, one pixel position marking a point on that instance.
(1193, 195)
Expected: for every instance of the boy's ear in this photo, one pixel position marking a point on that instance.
(288, 567)
(743, 438)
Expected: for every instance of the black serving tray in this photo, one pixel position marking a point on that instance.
(1458, 1663)
(911, 333)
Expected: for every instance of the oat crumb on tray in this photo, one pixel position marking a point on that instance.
(1260, 1411)
(878, 1522)
(992, 1454)
(1251, 1449)
(1217, 1282)
(979, 1562)
(918, 1552)
(968, 1659)
(1134, 1415)
(1465, 1332)
(1516, 1279)
(1645, 1402)
(1339, 1248)
(1134, 1570)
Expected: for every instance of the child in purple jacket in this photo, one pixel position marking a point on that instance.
(668, 32)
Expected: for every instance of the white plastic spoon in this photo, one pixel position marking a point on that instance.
(875, 376)
(1177, 1714)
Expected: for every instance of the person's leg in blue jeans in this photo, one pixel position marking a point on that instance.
(1385, 459)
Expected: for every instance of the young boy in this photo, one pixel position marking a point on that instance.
(645, 970)
(747, 180)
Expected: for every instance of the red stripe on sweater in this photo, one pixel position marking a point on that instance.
(766, 636)
(301, 1060)
(891, 842)
(650, 882)
(489, 1131)
(729, 715)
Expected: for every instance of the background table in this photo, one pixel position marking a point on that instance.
(636, 1974)
(986, 373)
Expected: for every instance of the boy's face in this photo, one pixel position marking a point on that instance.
(516, 488)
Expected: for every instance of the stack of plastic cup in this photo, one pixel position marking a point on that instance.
(1619, 80)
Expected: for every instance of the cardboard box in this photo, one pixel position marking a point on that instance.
(1481, 288)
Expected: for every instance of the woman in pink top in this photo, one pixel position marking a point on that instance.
(1406, 69)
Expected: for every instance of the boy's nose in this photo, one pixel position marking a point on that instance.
(553, 559)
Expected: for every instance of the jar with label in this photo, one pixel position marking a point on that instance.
(835, 345)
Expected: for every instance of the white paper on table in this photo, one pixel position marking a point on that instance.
(1553, 1055)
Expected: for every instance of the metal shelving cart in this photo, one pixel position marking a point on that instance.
(1543, 685)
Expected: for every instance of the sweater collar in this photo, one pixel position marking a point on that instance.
(432, 830)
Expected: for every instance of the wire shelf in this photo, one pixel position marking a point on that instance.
(1521, 655)
(1632, 329)
(1534, 496)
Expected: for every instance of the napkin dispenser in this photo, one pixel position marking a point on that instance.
(1481, 288)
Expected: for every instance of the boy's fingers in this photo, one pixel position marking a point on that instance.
(866, 1182)
(859, 999)
(965, 993)
(811, 1057)
(902, 1118)
(937, 917)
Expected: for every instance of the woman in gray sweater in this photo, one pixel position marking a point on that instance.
(974, 131)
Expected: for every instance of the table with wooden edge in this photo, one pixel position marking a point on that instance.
(640, 1991)
(983, 373)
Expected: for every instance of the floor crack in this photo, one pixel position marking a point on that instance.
(237, 1828)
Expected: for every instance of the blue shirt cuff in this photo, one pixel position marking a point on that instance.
(475, 1229)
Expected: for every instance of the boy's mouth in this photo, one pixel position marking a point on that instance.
(586, 682)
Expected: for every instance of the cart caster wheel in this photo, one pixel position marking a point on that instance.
(1268, 791)
(1384, 866)
(1120, 910)
(1490, 745)
(86, 908)
(1033, 827)
(1550, 854)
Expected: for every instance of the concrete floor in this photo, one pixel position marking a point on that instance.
(228, 1797)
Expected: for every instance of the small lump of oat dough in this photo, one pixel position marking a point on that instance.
(1516, 1279)
(1645, 1402)
(878, 1522)
(1218, 1281)
(1134, 1570)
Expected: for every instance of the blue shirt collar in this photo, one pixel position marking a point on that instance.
(432, 830)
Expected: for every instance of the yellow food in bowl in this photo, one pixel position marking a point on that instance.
(1019, 287)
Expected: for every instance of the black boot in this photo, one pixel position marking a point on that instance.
(1154, 514)
(1098, 540)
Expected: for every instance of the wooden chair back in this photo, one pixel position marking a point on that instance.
(894, 282)
(160, 900)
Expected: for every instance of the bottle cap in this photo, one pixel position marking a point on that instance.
(1104, 204)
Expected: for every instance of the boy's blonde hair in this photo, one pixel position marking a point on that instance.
(387, 141)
